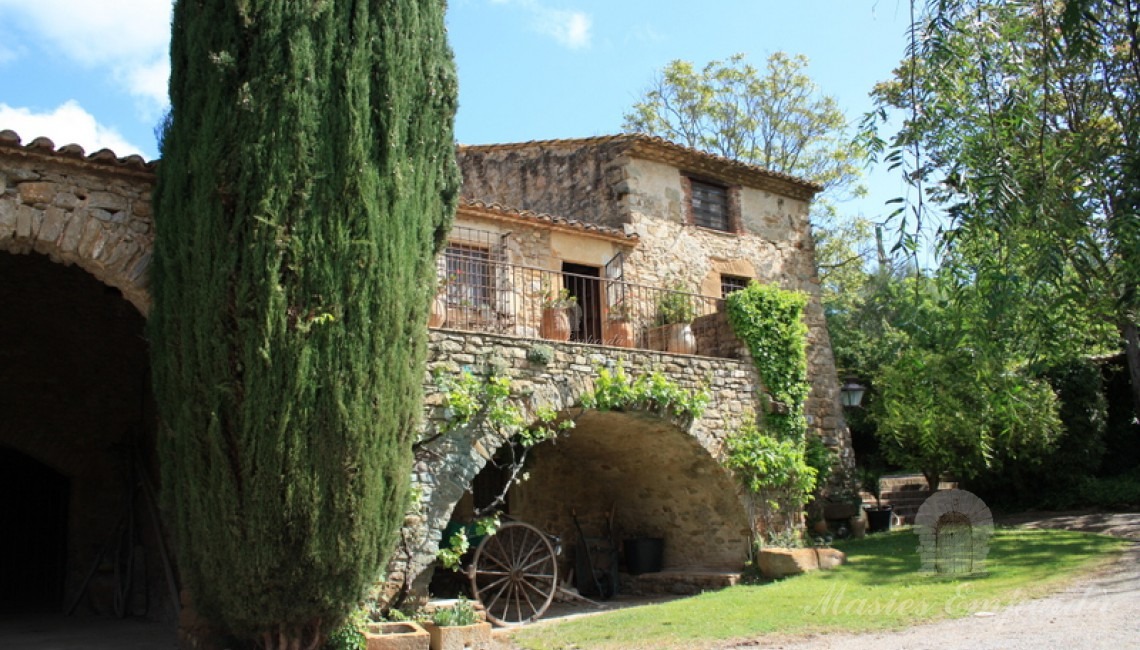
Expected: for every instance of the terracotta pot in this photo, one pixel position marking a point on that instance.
(438, 315)
(555, 324)
(676, 338)
(619, 333)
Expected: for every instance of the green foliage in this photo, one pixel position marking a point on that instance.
(1020, 132)
(674, 306)
(1076, 456)
(617, 391)
(820, 458)
(540, 354)
(956, 412)
(350, 634)
(776, 470)
(879, 589)
(769, 320)
(557, 299)
(491, 401)
(775, 118)
(451, 556)
(307, 180)
(460, 614)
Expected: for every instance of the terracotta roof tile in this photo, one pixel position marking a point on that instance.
(498, 211)
(103, 157)
(685, 158)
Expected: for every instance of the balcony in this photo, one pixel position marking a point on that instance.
(480, 294)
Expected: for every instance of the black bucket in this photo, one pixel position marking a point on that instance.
(644, 555)
(878, 519)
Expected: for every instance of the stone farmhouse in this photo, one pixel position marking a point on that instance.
(624, 224)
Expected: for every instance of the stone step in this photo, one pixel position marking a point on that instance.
(678, 581)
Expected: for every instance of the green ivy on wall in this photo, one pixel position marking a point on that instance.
(615, 390)
(769, 320)
(771, 458)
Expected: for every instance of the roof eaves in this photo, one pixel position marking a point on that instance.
(501, 212)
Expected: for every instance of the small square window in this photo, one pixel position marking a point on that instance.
(731, 283)
(710, 205)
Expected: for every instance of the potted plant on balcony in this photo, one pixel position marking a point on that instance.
(674, 332)
(619, 329)
(437, 317)
(556, 306)
(458, 627)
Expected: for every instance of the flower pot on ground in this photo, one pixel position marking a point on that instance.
(878, 518)
(458, 626)
(476, 636)
(403, 635)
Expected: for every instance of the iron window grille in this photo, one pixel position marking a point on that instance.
(731, 283)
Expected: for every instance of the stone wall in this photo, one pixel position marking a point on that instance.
(604, 181)
(559, 179)
(446, 467)
(93, 211)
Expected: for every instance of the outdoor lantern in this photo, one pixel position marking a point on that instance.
(851, 394)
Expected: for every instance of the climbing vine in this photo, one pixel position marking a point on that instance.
(492, 401)
(615, 390)
(769, 320)
(770, 458)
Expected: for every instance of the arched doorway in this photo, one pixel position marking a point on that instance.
(625, 478)
(33, 550)
(78, 435)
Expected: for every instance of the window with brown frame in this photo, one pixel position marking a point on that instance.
(710, 205)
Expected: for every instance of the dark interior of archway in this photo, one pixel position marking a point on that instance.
(624, 477)
(77, 413)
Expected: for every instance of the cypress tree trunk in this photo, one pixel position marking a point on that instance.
(307, 180)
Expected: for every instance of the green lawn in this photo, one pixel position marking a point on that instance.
(880, 587)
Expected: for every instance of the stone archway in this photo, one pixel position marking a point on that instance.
(93, 212)
(637, 475)
(447, 466)
(75, 393)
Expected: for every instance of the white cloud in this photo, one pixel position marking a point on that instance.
(129, 38)
(67, 124)
(569, 28)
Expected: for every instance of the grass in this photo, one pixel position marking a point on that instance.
(879, 588)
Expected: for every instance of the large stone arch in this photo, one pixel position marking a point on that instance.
(91, 211)
(446, 466)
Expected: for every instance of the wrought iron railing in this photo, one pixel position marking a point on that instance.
(479, 294)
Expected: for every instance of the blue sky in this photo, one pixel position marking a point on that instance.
(94, 71)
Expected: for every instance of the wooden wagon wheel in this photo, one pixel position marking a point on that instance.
(514, 574)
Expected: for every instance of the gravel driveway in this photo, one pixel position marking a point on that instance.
(1099, 611)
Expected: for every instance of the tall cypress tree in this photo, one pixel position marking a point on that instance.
(307, 181)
